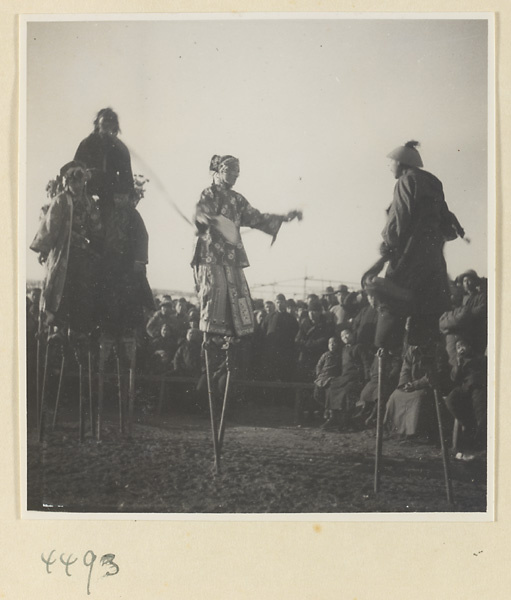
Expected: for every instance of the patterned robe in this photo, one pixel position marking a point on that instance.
(224, 296)
(69, 234)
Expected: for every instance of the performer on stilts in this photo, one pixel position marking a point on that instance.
(123, 287)
(415, 288)
(68, 241)
(226, 311)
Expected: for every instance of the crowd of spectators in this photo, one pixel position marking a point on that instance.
(328, 340)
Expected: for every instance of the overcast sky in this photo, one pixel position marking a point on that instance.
(310, 107)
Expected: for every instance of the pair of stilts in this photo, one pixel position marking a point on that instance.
(218, 421)
(80, 347)
(379, 431)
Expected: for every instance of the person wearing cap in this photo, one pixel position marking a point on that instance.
(418, 224)
(68, 240)
(107, 159)
(344, 309)
(329, 296)
(469, 319)
(220, 257)
(165, 315)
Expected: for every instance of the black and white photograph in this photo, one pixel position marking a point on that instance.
(256, 266)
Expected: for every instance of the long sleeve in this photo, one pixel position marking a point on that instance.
(50, 227)
(266, 222)
(400, 213)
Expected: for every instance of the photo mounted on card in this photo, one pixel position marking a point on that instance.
(257, 257)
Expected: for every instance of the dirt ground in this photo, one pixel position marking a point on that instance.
(269, 465)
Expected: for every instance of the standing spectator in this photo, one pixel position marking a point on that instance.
(364, 323)
(281, 329)
(312, 340)
(344, 391)
(292, 308)
(468, 318)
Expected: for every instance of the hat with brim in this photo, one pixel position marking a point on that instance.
(469, 273)
(342, 289)
(73, 164)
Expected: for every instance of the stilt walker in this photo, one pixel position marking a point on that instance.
(415, 285)
(67, 242)
(218, 263)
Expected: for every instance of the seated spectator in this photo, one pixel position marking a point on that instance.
(182, 320)
(328, 367)
(410, 409)
(467, 401)
(344, 391)
(165, 315)
(163, 348)
(187, 360)
(390, 378)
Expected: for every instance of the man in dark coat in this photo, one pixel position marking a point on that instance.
(281, 329)
(312, 339)
(107, 160)
(418, 224)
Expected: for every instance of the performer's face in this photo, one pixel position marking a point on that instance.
(229, 173)
(107, 127)
(395, 168)
(75, 180)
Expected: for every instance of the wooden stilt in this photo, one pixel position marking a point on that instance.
(121, 399)
(91, 407)
(43, 390)
(57, 401)
(379, 423)
(443, 446)
(211, 410)
(80, 403)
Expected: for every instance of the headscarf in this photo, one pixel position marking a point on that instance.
(217, 162)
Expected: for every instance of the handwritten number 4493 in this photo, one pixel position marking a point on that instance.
(89, 558)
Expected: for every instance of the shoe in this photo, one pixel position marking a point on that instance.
(464, 456)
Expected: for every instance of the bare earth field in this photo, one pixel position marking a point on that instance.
(269, 465)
